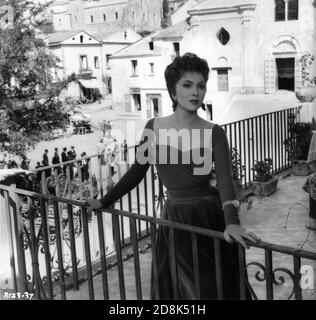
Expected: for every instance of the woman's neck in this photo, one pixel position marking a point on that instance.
(184, 117)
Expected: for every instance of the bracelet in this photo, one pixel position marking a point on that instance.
(235, 203)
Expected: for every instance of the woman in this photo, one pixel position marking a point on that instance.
(191, 199)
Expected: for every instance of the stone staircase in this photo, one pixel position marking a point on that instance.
(251, 105)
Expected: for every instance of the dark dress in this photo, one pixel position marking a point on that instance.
(191, 200)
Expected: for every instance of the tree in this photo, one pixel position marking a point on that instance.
(30, 107)
(166, 20)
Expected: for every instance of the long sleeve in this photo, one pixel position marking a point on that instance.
(222, 159)
(130, 179)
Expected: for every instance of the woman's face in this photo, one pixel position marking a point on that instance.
(190, 91)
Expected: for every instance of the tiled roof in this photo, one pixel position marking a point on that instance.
(175, 31)
(213, 4)
(57, 37)
(140, 47)
(103, 30)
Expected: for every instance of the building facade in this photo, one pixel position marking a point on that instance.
(140, 15)
(88, 57)
(253, 49)
(138, 72)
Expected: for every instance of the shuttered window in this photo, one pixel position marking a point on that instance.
(279, 10)
(283, 12)
(293, 10)
(222, 79)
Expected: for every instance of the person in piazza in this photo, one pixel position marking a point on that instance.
(185, 171)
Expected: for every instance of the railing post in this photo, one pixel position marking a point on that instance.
(242, 278)
(7, 242)
(268, 274)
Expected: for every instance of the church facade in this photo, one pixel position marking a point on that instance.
(252, 47)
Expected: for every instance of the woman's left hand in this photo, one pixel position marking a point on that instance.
(238, 233)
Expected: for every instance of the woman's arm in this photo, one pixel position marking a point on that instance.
(128, 182)
(223, 169)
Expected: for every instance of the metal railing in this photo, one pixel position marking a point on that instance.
(254, 138)
(262, 137)
(36, 236)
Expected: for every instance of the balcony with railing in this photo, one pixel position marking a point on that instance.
(58, 250)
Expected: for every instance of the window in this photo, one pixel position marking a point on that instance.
(75, 18)
(116, 15)
(81, 39)
(83, 63)
(144, 16)
(125, 35)
(59, 21)
(107, 61)
(96, 63)
(286, 10)
(223, 36)
(279, 10)
(151, 45)
(91, 18)
(133, 15)
(134, 67)
(176, 48)
(104, 17)
(151, 67)
(293, 10)
(137, 102)
(222, 79)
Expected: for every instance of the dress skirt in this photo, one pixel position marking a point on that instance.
(205, 211)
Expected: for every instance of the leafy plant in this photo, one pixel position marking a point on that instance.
(237, 168)
(306, 62)
(263, 170)
(297, 145)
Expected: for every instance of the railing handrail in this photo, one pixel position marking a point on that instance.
(42, 196)
(216, 234)
(258, 116)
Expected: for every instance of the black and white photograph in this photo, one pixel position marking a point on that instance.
(160, 153)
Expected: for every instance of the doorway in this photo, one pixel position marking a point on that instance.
(285, 73)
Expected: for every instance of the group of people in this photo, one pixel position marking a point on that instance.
(11, 163)
(66, 155)
(112, 152)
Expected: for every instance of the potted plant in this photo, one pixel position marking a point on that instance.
(238, 171)
(297, 146)
(264, 183)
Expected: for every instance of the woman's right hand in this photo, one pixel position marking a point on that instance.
(93, 204)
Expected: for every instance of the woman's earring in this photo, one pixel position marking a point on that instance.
(203, 106)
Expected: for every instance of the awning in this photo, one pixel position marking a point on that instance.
(90, 83)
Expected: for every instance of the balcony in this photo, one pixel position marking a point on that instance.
(85, 72)
(59, 251)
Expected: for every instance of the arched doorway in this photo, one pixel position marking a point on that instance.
(282, 69)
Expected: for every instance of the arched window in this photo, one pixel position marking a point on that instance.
(81, 39)
(91, 18)
(104, 17)
(116, 15)
(133, 15)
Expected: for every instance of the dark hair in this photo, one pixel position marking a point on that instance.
(65, 149)
(46, 150)
(56, 149)
(189, 62)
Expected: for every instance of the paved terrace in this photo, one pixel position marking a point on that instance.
(278, 219)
